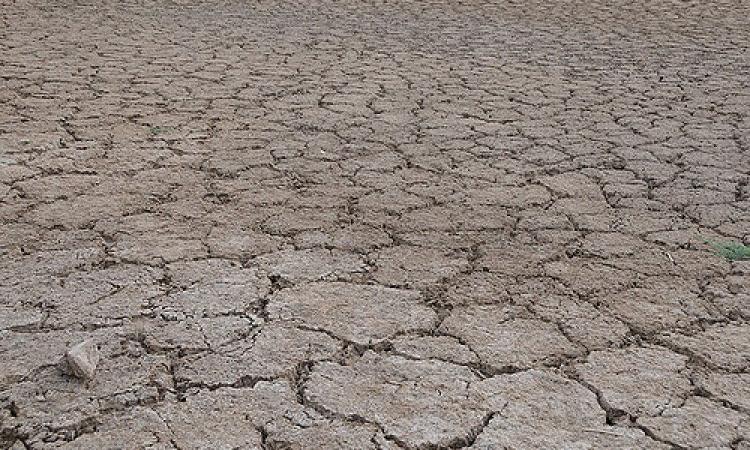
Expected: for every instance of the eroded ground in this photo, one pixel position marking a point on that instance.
(350, 225)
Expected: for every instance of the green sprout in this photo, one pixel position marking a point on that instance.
(731, 251)
(158, 130)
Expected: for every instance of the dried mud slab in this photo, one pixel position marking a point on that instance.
(418, 403)
(637, 381)
(733, 388)
(724, 346)
(539, 409)
(270, 352)
(434, 347)
(698, 423)
(504, 342)
(298, 266)
(363, 314)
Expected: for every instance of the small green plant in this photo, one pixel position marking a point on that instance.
(732, 251)
(158, 130)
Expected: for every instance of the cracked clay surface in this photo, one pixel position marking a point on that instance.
(416, 225)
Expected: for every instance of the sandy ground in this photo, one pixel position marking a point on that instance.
(375, 225)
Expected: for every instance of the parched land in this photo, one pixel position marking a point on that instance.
(374, 225)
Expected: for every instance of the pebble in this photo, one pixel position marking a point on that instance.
(82, 359)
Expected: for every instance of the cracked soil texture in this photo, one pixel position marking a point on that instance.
(375, 225)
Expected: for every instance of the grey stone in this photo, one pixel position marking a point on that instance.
(82, 359)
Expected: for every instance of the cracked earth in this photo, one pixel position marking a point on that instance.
(370, 225)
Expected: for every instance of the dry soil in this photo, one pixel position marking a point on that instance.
(375, 225)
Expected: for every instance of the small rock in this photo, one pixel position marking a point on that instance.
(82, 359)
